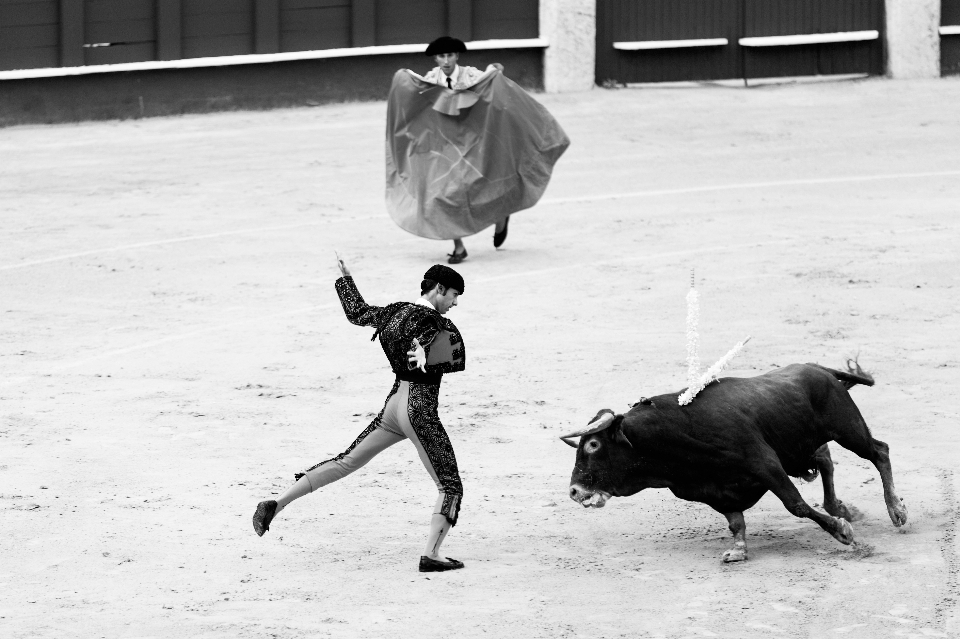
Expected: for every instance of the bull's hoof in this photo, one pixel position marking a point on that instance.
(841, 510)
(845, 534)
(898, 514)
(838, 509)
(735, 554)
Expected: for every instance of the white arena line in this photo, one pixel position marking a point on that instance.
(175, 240)
(547, 201)
(715, 249)
(640, 258)
(747, 185)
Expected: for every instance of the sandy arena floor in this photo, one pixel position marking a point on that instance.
(172, 351)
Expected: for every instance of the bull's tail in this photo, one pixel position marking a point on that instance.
(852, 376)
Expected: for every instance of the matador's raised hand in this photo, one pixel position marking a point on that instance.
(344, 271)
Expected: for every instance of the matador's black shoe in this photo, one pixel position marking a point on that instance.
(436, 565)
(456, 258)
(266, 510)
(500, 237)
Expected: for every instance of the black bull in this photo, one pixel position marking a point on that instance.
(739, 438)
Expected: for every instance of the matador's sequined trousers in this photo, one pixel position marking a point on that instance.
(410, 412)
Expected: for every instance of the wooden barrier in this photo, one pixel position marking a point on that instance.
(37, 34)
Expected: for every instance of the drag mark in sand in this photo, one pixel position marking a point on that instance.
(946, 610)
(216, 328)
(748, 185)
(851, 628)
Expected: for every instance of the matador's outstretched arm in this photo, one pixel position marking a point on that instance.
(354, 307)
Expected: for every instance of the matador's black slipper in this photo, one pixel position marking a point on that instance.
(266, 510)
(501, 237)
(436, 565)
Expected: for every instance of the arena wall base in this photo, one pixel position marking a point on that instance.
(164, 92)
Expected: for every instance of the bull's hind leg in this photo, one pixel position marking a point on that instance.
(895, 506)
(830, 502)
(778, 482)
(739, 529)
(859, 441)
(879, 454)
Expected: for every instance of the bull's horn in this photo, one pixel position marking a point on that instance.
(593, 427)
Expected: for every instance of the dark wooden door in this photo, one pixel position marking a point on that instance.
(791, 17)
(949, 37)
(621, 22)
(217, 27)
(119, 31)
(29, 34)
(664, 40)
(51, 33)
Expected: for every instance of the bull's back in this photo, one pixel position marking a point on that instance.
(791, 410)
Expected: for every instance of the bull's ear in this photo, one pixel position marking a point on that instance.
(618, 435)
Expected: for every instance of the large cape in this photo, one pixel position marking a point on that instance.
(461, 160)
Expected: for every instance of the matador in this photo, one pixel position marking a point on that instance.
(421, 345)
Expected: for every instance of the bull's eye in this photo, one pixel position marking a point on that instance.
(592, 446)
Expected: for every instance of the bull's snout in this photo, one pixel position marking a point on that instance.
(577, 493)
(588, 498)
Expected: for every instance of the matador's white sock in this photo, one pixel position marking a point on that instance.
(298, 490)
(439, 527)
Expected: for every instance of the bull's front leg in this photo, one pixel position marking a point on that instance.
(779, 483)
(739, 529)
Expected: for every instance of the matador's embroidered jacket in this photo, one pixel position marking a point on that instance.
(397, 325)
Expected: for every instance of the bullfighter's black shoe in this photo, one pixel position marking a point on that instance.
(266, 510)
(436, 565)
(500, 237)
(456, 258)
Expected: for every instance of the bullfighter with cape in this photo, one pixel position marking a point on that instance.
(464, 149)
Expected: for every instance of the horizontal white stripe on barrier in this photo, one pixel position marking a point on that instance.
(953, 29)
(809, 38)
(643, 45)
(263, 58)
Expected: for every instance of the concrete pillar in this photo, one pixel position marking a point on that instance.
(570, 28)
(913, 38)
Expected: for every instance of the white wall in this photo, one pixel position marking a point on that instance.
(570, 28)
(913, 38)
